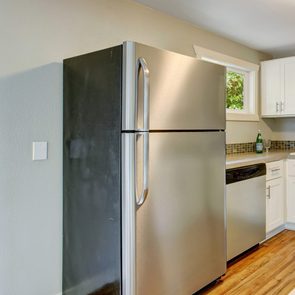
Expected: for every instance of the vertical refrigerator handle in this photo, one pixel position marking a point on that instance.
(141, 64)
(144, 193)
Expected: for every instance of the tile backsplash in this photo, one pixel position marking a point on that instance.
(249, 147)
(237, 148)
(284, 145)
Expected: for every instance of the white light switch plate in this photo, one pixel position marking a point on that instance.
(40, 150)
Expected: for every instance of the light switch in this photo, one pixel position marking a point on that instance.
(40, 150)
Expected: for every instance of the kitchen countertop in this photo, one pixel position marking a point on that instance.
(244, 159)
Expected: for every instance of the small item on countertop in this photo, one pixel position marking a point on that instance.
(267, 144)
(259, 143)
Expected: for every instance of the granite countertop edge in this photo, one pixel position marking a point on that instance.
(244, 159)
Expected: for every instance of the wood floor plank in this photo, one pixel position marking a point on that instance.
(270, 270)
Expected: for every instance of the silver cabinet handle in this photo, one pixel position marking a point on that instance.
(277, 107)
(145, 189)
(268, 194)
(281, 106)
(141, 64)
(275, 169)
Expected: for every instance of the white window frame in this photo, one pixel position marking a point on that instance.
(251, 111)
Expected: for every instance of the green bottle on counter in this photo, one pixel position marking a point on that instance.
(259, 143)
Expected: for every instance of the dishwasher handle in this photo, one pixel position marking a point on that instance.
(243, 173)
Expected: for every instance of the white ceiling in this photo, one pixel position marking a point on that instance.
(265, 25)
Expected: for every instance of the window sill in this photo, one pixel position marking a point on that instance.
(242, 117)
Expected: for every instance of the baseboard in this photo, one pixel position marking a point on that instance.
(275, 231)
(290, 226)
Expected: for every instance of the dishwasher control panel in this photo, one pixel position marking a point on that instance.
(246, 172)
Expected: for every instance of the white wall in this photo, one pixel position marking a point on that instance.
(36, 33)
(237, 131)
(282, 128)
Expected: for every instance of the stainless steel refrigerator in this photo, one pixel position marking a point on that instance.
(144, 172)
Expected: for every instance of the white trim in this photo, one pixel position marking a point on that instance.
(241, 117)
(274, 232)
(290, 226)
(229, 61)
(217, 57)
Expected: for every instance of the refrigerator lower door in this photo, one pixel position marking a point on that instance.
(180, 228)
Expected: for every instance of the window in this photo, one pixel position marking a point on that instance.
(237, 94)
(241, 85)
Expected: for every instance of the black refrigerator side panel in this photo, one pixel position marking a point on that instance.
(91, 173)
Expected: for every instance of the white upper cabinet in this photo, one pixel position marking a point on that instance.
(270, 87)
(288, 69)
(278, 87)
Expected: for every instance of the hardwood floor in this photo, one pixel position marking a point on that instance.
(269, 270)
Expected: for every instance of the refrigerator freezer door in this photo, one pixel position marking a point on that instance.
(185, 93)
(180, 229)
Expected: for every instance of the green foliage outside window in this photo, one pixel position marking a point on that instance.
(234, 91)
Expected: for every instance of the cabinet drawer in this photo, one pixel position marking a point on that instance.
(291, 167)
(275, 169)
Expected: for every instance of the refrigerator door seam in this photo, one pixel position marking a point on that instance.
(128, 214)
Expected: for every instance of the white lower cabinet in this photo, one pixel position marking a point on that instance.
(290, 191)
(274, 204)
(291, 199)
(275, 201)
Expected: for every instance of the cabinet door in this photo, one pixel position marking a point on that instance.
(288, 86)
(271, 87)
(274, 204)
(291, 199)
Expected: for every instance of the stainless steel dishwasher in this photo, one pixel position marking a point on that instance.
(245, 193)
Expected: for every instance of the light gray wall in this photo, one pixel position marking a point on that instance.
(36, 33)
(39, 32)
(30, 191)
